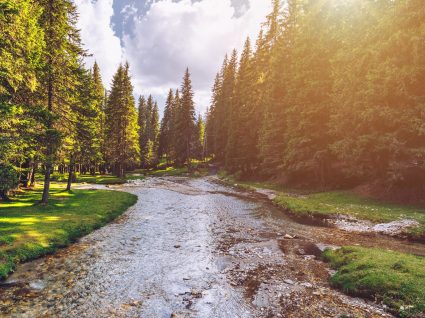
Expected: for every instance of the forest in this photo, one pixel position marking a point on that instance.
(332, 95)
(305, 174)
(56, 114)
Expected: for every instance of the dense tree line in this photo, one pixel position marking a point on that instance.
(42, 86)
(56, 115)
(181, 134)
(333, 94)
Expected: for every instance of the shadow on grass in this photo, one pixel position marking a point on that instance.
(30, 230)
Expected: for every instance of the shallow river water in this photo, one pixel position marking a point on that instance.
(191, 248)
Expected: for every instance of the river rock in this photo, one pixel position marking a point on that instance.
(38, 285)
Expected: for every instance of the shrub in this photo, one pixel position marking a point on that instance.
(8, 180)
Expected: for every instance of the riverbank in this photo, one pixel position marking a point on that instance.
(395, 279)
(343, 209)
(392, 278)
(29, 230)
(191, 247)
(92, 179)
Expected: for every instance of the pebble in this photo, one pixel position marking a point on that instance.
(38, 285)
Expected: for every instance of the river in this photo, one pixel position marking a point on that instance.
(192, 248)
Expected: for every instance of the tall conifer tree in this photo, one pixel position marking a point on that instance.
(121, 122)
(165, 139)
(185, 122)
(62, 58)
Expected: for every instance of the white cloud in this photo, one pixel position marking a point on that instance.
(176, 35)
(98, 36)
(128, 11)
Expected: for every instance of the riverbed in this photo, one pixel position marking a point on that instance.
(192, 248)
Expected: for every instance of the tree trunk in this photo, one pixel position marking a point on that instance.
(3, 196)
(70, 173)
(32, 183)
(45, 197)
(24, 176)
(49, 151)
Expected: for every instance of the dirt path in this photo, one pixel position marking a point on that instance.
(191, 248)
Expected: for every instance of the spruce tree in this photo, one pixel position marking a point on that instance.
(99, 93)
(213, 115)
(185, 123)
(241, 147)
(142, 122)
(121, 122)
(223, 106)
(62, 54)
(199, 141)
(21, 60)
(155, 134)
(165, 138)
(174, 125)
(147, 132)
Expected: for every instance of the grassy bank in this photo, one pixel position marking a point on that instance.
(87, 178)
(341, 202)
(173, 172)
(396, 279)
(331, 203)
(29, 230)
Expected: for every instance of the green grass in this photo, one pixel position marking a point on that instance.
(87, 178)
(252, 185)
(341, 202)
(170, 171)
(173, 172)
(396, 279)
(331, 203)
(29, 230)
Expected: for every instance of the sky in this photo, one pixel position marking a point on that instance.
(160, 38)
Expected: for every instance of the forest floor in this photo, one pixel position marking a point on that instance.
(29, 230)
(192, 247)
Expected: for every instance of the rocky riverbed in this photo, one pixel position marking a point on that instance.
(192, 248)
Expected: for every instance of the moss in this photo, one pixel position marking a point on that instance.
(396, 279)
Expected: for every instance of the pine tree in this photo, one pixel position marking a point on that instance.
(81, 144)
(155, 133)
(174, 125)
(275, 57)
(307, 154)
(223, 106)
(165, 139)
(213, 115)
(150, 133)
(99, 92)
(21, 47)
(379, 100)
(121, 122)
(62, 55)
(199, 141)
(242, 142)
(185, 123)
(142, 122)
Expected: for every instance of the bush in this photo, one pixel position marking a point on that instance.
(8, 180)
